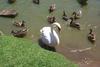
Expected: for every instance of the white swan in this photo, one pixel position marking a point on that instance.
(49, 36)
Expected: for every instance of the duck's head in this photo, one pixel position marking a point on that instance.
(91, 30)
(72, 19)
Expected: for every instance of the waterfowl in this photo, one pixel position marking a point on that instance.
(36, 1)
(74, 24)
(1, 33)
(82, 2)
(51, 19)
(52, 8)
(49, 35)
(91, 36)
(19, 23)
(8, 13)
(11, 1)
(64, 17)
(77, 15)
(19, 33)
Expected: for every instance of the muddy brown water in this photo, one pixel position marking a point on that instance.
(74, 44)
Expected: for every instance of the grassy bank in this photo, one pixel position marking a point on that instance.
(16, 52)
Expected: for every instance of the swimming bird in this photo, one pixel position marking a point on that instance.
(74, 24)
(19, 33)
(36, 1)
(49, 35)
(52, 8)
(64, 17)
(19, 23)
(77, 15)
(11, 1)
(91, 36)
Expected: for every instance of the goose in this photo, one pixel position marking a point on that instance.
(51, 19)
(83, 2)
(49, 36)
(91, 36)
(8, 13)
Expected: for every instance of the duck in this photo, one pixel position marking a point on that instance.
(49, 35)
(64, 17)
(36, 1)
(51, 19)
(12, 13)
(52, 8)
(19, 23)
(77, 15)
(19, 33)
(11, 1)
(91, 36)
(74, 24)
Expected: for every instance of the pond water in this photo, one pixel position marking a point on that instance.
(72, 39)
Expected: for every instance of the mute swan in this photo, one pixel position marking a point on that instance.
(49, 35)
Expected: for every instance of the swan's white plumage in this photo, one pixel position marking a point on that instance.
(57, 24)
(49, 36)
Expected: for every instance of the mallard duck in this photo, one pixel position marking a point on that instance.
(64, 17)
(49, 19)
(19, 23)
(36, 1)
(74, 24)
(11, 1)
(91, 36)
(19, 33)
(77, 15)
(8, 13)
(52, 8)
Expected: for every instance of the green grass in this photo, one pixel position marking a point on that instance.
(16, 52)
